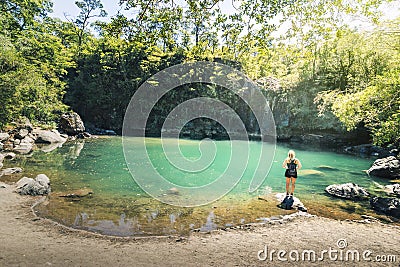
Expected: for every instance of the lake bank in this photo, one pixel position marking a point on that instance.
(39, 242)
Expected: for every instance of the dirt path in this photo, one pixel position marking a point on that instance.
(29, 241)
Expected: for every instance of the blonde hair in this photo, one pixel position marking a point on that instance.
(291, 154)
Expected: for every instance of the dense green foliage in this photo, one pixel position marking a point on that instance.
(33, 62)
(365, 83)
(319, 74)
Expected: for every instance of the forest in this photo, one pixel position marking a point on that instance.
(319, 71)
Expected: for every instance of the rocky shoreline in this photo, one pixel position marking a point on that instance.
(24, 138)
(387, 168)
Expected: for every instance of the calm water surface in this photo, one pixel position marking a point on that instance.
(119, 206)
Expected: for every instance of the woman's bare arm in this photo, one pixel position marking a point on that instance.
(284, 165)
(298, 165)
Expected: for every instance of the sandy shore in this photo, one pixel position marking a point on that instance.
(26, 240)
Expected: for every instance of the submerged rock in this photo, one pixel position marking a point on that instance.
(386, 167)
(348, 191)
(310, 172)
(78, 193)
(388, 206)
(326, 168)
(10, 171)
(71, 123)
(38, 186)
(173, 191)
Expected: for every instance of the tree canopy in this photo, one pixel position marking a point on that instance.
(320, 73)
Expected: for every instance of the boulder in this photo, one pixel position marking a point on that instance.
(24, 146)
(21, 133)
(48, 136)
(10, 171)
(297, 204)
(2, 157)
(10, 155)
(348, 191)
(71, 123)
(386, 205)
(24, 182)
(42, 179)
(392, 189)
(84, 135)
(38, 186)
(388, 167)
(4, 136)
(8, 146)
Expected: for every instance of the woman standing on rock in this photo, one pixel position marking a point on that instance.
(291, 164)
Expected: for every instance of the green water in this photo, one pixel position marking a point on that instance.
(119, 206)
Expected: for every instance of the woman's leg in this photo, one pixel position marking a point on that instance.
(287, 185)
(293, 184)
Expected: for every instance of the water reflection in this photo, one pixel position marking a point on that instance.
(172, 218)
(124, 226)
(151, 216)
(74, 151)
(210, 224)
(49, 147)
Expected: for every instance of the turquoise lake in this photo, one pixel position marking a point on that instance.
(118, 206)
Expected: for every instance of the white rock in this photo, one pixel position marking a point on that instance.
(42, 179)
(38, 186)
(24, 181)
(4, 136)
(48, 137)
(10, 171)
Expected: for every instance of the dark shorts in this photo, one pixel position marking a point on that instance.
(290, 175)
